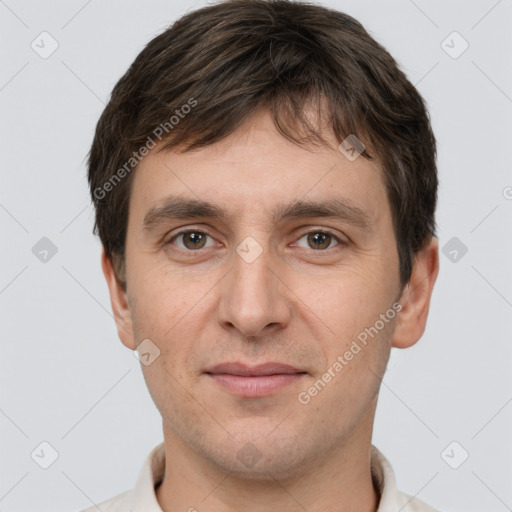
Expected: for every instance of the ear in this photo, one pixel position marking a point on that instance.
(118, 300)
(415, 298)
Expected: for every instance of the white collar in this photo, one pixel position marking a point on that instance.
(143, 497)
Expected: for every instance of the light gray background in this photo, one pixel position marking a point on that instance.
(66, 378)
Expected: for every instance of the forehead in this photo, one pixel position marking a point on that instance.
(255, 169)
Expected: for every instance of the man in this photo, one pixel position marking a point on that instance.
(265, 185)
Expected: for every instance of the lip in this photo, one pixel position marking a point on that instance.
(254, 381)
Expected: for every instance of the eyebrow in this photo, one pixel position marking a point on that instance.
(175, 207)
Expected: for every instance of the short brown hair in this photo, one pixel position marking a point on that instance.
(231, 59)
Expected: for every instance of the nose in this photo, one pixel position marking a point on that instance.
(253, 297)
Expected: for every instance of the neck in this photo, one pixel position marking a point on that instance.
(340, 481)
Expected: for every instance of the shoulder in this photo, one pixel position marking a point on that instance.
(119, 503)
(412, 504)
(391, 499)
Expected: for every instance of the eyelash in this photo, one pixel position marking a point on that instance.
(314, 231)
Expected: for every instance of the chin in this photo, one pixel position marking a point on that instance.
(259, 458)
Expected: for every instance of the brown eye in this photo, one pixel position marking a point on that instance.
(319, 240)
(194, 240)
(191, 240)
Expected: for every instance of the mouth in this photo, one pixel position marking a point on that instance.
(254, 381)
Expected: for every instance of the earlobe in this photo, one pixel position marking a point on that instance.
(415, 298)
(118, 300)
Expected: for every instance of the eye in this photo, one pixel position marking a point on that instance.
(194, 240)
(319, 240)
(191, 239)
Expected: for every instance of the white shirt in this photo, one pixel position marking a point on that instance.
(143, 498)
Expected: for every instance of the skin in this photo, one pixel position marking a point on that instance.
(296, 304)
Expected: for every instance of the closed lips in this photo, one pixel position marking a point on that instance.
(261, 370)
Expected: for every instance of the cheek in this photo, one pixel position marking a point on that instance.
(347, 301)
(351, 380)
(161, 300)
(172, 315)
(351, 307)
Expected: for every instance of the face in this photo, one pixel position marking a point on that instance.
(289, 264)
